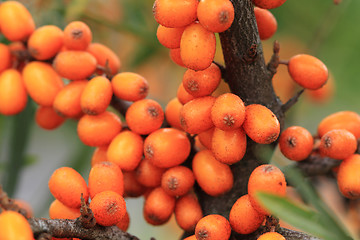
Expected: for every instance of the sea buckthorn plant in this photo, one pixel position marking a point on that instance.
(201, 157)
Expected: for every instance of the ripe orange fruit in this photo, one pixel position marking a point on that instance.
(177, 181)
(268, 4)
(338, 144)
(188, 212)
(13, 226)
(213, 227)
(77, 36)
(348, 177)
(266, 23)
(271, 236)
(130, 86)
(105, 57)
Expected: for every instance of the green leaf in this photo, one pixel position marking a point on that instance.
(301, 217)
(307, 191)
(75, 9)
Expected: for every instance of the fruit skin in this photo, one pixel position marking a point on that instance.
(215, 15)
(108, 207)
(47, 118)
(197, 47)
(296, 143)
(5, 57)
(96, 96)
(214, 177)
(13, 95)
(338, 144)
(144, 116)
(105, 176)
(213, 227)
(188, 212)
(67, 185)
(126, 150)
(57, 210)
(174, 13)
(266, 23)
(158, 207)
(14, 226)
(19, 22)
(266, 178)
(169, 37)
(167, 147)
(271, 236)
(98, 130)
(172, 113)
(42, 82)
(261, 124)
(348, 177)
(148, 174)
(243, 218)
(268, 4)
(77, 36)
(340, 120)
(130, 86)
(308, 71)
(45, 42)
(177, 181)
(105, 55)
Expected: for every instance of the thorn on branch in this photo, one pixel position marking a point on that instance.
(251, 54)
(120, 105)
(275, 59)
(86, 218)
(272, 224)
(286, 106)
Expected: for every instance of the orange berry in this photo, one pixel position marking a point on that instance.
(5, 57)
(47, 118)
(192, 237)
(183, 95)
(105, 57)
(124, 222)
(19, 22)
(215, 15)
(105, 176)
(271, 236)
(77, 36)
(126, 150)
(268, 4)
(172, 113)
(341, 120)
(45, 42)
(202, 83)
(130, 86)
(244, 219)
(57, 210)
(98, 130)
(96, 96)
(167, 147)
(266, 23)
(174, 54)
(197, 47)
(296, 143)
(75, 65)
(42, 82)
(308, 71)
(13, 95)
(214, 177)
(13, 226)
(169, 37)
(229, 147)
(228, 112)
(323, 94)
(148, 174)
(265, 178)
(188, 212)
(338, 144)
(132, 188)
(205, 138)
(67, 101)
(144, 116)
(174, 13)
(261, 124)
(348, 177)
(195, 116)
(158, 207)
(177, 181)
(67, 185)
(99, 155)
(108, 207)
(213, 227)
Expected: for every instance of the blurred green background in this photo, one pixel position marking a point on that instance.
(29, 155)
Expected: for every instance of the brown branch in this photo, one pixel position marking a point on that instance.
(316, 165)
(120, 105)
(65, 228)
(222, 69)
(286, 106)
(275, 59)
